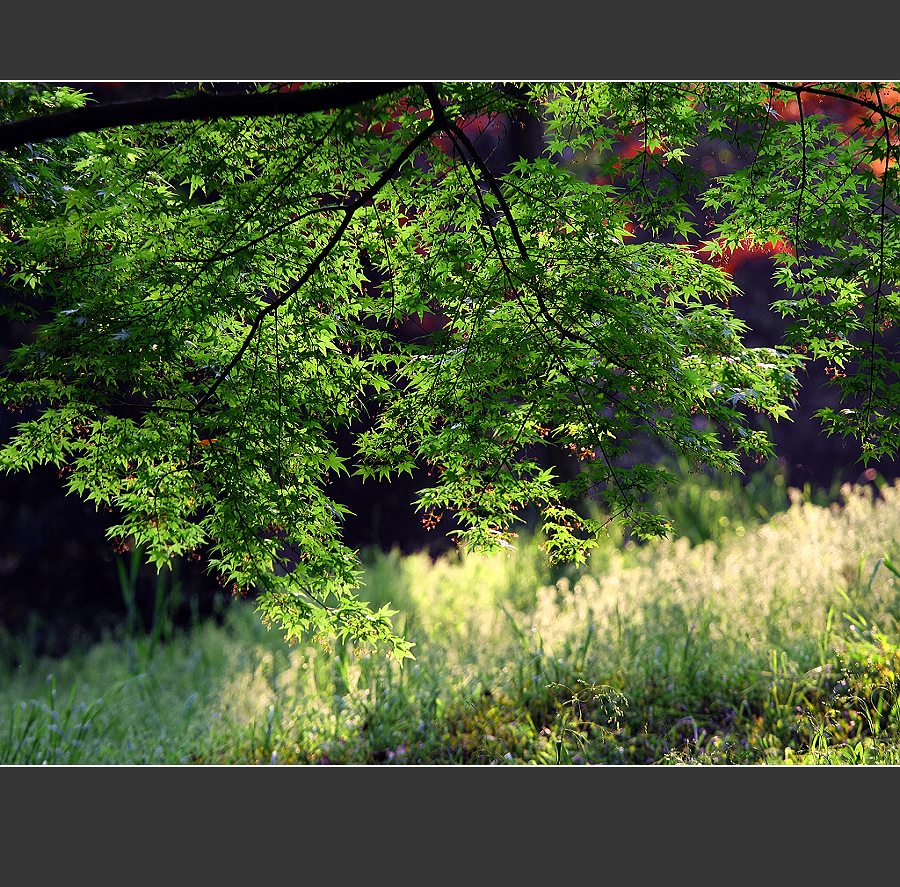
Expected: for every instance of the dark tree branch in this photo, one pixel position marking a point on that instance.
(459, 136)
(349, 210)
(461, 140)
(814, 90)
(199, 107)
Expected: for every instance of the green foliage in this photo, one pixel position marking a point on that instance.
(205, 306)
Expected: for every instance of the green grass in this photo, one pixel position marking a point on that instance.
(769, 637)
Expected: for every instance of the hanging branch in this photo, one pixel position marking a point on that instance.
(855, 100)
(349, 211)
(459, 135)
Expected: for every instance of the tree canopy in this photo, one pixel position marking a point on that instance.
(210, 289)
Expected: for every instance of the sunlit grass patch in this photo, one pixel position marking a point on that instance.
(776, 644)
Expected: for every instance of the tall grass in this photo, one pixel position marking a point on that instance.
(771, 637)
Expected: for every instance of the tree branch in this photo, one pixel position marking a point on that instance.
(459, 136)
(814, 90)
(349, 210)
(199, 107)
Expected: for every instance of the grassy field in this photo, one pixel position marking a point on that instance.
(764, 634)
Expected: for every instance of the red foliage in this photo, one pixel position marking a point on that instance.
(731, 258)
(474, 128)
